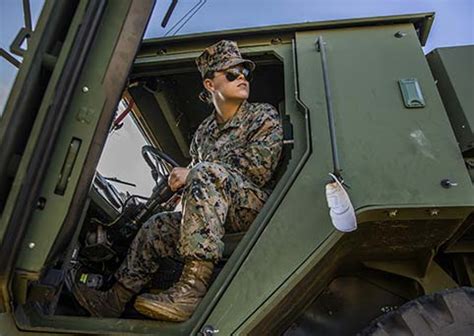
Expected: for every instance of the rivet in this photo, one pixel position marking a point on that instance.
(400, 34)
(41, 203)
(434, 212)
(31, 245)
(447, 183)
(85, 89)
(393, 213)
(276, 40)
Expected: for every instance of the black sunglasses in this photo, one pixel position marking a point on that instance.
(233, 73)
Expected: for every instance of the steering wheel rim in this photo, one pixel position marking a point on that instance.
(150, 151)
(159, 154)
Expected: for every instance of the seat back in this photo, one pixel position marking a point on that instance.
(231, 240)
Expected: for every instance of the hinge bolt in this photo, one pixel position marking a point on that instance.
(434, 212)
(31, 245)
(276, 40)
(209, 330)
(41, 203)
(85, 89)
(393, 213)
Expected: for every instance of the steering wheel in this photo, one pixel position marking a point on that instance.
(159, 163)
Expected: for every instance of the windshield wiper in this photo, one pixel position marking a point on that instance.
(114, 179)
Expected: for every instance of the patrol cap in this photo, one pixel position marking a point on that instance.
(221, 56)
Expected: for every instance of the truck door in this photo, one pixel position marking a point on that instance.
(55, 124)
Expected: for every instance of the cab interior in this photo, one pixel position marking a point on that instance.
(166, 106)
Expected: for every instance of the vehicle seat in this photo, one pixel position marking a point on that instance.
(231, 240)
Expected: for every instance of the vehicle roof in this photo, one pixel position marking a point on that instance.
(421, 21)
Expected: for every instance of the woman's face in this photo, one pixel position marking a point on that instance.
(224, 90)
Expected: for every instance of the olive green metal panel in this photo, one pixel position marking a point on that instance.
(391, 155)
(422, 21)
(299, 224)
(9, 328)
(97, 87)
(453, 68)
(237, 301)
(16, 94)
(39, 245)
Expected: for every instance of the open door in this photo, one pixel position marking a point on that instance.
(52, 132)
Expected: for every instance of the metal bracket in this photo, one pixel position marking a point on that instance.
(22, 35)
(6, 55)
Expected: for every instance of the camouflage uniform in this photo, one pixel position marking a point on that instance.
(231, 163)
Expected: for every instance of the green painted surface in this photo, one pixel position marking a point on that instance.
(46, 223)
(285, 289)
(8, 327)
(422, 20)
(453, 68)
(391, 156)
(299, 225)
(34, 47)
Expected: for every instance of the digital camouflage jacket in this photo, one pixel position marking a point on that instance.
(249, 144)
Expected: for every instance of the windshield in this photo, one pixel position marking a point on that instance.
(121, 158)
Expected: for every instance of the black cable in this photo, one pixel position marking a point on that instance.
(168, 13)
(183, 17)
(202, 4)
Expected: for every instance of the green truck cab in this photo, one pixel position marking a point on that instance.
(394, 123)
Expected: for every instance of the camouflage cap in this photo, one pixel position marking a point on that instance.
(221, 56)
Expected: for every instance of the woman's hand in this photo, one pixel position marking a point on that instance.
(177, 178)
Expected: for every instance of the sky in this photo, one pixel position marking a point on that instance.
(453, 25)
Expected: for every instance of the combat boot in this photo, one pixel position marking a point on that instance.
(178, 303)
(110, 303)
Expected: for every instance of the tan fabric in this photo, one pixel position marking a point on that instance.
(178, 303)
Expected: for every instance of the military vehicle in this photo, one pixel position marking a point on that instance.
(358, 98)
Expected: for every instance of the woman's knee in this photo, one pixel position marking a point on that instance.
(163, 223)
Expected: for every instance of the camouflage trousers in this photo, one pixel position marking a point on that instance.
(214, 202)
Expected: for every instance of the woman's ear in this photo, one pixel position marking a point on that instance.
(208, 85)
